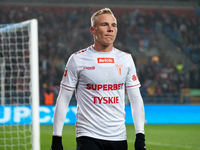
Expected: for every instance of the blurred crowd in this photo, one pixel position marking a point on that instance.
(63, 33)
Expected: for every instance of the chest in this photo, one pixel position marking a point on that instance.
(102, 70)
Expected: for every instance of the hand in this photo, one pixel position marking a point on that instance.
(140, 142)
(56, 143)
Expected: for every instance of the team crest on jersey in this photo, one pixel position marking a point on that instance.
(119, 68)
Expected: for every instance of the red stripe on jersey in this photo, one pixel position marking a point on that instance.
(81, 51)
(67, 86)
(132, 85)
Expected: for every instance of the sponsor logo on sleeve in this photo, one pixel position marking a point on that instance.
(65, 72)
(134, 77)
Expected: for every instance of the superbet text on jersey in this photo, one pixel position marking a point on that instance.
(99, 80)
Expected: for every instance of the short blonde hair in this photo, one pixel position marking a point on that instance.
(100, 12)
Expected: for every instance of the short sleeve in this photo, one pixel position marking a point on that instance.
(70, 76)
(132, 80)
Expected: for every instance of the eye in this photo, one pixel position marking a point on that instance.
(104, 24)
(114, 25)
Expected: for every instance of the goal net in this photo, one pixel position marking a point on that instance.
(19, 84)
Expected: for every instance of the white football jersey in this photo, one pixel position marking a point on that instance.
(99, 80)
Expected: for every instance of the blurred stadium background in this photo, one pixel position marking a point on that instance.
(162, 36)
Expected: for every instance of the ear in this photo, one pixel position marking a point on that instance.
(92, 30)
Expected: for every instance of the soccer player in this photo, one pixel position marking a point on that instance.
(99, 74)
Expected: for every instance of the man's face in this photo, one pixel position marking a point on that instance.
(105, 29)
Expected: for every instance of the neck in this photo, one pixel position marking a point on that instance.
(103, 48)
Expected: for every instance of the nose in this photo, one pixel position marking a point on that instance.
(110, 28)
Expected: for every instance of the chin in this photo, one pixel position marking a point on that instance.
(107, 44)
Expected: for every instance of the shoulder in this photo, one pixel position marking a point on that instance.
(120, 52)
(123, 54)
(124, 57)
(80, 53)
(84, 51)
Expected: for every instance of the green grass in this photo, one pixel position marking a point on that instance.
(158, 137)
(15, 137)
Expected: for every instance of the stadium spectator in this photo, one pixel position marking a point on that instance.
(59, 39)
(48, 97)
